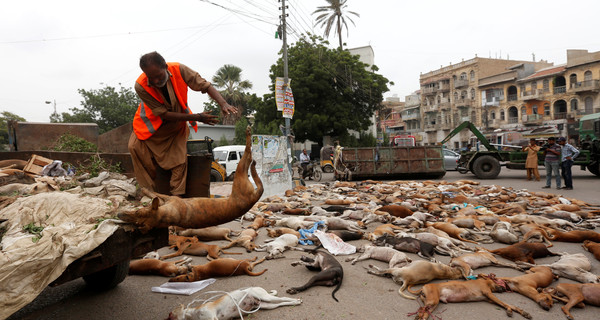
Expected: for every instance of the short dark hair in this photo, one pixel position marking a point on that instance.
(153, 58)
(552, 138)
(531, 139)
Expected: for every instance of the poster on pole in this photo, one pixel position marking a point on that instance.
(288, 103)
(280, 93)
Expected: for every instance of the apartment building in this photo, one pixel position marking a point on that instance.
(452, 94)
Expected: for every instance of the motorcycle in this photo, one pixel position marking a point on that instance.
(314, 171)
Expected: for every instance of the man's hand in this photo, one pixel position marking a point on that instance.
(227, 109)
(208, 118)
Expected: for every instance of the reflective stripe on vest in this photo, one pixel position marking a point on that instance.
(145, 123)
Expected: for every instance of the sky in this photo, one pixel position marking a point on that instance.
(53, 48)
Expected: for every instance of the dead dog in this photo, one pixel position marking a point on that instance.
(229, 305)
(331, 271)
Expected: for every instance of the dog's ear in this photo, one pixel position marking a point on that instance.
(155, 203)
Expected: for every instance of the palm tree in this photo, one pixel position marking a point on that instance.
(334, 13)
(229, 79)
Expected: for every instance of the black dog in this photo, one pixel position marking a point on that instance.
(331, 273)
(407, 244)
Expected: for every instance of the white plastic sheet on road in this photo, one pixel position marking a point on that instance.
(70, 232)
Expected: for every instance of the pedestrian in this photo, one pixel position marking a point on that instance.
(567, 156)
(160, 129)
(304, 161)
(531, 164)
(552, 162)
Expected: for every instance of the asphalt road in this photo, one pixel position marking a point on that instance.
(362, 296)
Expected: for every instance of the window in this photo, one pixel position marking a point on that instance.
(232, 155)
(534, 109)
(546, 109)
(587, 76)
(574, 105)
(455, 95)
(523, 110)
(502, 115)
(522, 88)
(472, 93)
(546, 85)
(463, 94)
(472, 75)
(533, 86)
(463, 76)
(573, 79)
(493, 115)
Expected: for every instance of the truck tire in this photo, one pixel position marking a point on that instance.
(215, 176)
(328, 168)
(486, 167)
(109, 277)
(594, 168)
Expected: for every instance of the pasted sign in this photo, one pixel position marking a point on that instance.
(280, 93)
(272, 163)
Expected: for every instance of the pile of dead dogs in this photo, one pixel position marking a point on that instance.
(422, 218)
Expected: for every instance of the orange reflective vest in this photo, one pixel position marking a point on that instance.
(145, 123)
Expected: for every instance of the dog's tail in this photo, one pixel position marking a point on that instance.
(339, 284)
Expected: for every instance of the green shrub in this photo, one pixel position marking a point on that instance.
(71, 143)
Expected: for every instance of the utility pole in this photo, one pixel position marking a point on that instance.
(285, 62)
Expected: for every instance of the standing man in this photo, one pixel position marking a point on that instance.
(568, 154)
(531, 164)
(304, 161)
(160, 129)
(552, 162)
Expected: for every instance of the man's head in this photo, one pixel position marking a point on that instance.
(155, 68)
(304, 151)
(551, 140)
(562, 141)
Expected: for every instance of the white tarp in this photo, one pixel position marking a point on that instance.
(70, 232)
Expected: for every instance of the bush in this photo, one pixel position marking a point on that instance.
(71, 143)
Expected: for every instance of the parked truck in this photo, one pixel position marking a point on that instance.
(487, 162)
(390, 163)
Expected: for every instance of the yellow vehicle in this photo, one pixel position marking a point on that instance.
(198, 147)
(327, 159)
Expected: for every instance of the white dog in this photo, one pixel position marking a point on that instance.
(395, 258)
(232, 304)
(277, 246)
(571, 266)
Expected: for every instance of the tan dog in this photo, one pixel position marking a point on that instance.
(222, 267)
(417, 272)
(469, 261)
(462, 291)
(226, 307)
(245, 239)
(573, 236)
(274, 233)
(259, 222)
(456, 232)
(191, 246)
(158, 267)
(387, 228)
(527, 285)
(209, 233)
(593, 248)
(577, 294)
(203, 212)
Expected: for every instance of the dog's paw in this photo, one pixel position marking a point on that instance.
(291, 291)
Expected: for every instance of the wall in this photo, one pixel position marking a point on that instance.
(28, 136)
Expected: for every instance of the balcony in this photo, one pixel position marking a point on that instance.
(410, 116)
(561, 89)
(445, 87)
(586, 86)
(513, 97)
(431, 127)
(444, 104)
(463, 103)
(429, 90)
(494, 102)
(459, 83)
(430, 109)
(465, 118)
(560, 115)
(531, 94)
(513, 120)
(446, 126)
(533, 119)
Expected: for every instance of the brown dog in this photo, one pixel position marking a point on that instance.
(222, 267)
(274, 233)
(523, 251)
(203, 212)
(577, 294)
(527, 285)
(593, 248)
(245, 239)
(208, 233)
(158, 267)
(191, 246)
(462, 291)
(573, 236)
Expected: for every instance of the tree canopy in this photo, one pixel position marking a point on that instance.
(229, 80)
(333, 91)
(106, 107)
(5, 117)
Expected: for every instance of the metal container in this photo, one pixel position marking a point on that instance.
(394, 162)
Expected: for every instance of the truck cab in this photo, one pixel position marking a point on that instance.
(229, 157)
